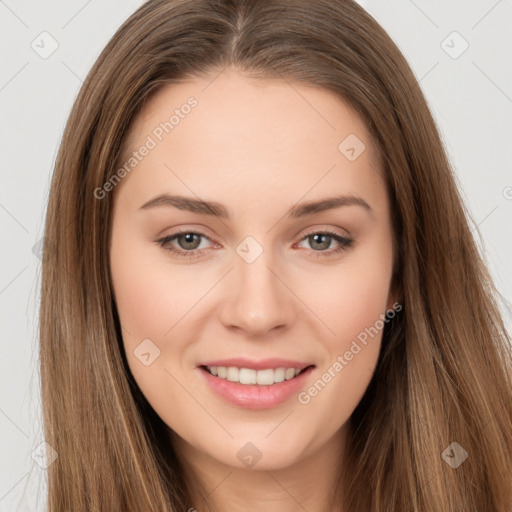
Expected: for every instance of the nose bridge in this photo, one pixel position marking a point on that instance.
(259, 301)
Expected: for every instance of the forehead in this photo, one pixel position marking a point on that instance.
(231, 130)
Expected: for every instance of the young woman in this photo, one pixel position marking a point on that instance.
(261, 291)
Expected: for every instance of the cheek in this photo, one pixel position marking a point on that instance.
(149, 310)
(151, 297)
(355, 317)
(352, 305)
(358, 308)
(138, 295)
(352, 301)
(146, 300)
(155, 302)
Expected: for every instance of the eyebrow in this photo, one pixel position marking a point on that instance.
(219, 210)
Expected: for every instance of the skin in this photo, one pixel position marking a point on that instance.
(259, 147)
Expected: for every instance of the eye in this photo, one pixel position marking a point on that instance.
(321, 240)
(189, 243)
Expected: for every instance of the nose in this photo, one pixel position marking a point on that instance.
(259, 302)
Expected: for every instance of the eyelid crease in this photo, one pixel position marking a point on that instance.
(345, 242)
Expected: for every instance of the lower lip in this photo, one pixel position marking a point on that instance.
(256, 397)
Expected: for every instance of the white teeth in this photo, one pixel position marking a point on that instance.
(232, 374)
(249, 376)
(279, 374)
(264, 377)
(289, 373)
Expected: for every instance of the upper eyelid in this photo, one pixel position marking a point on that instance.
(344, 242)
(328, 231)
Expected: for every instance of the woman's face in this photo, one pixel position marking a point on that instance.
(254, 278)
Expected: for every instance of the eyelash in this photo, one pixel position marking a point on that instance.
(345, 243)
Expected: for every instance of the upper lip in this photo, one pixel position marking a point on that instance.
(262, 364)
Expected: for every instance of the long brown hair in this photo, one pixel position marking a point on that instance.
(444, 371)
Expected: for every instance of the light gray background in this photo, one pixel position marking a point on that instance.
(470, 97)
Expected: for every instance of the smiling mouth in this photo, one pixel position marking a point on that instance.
(248, 376)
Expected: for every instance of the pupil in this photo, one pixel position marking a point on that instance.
(189, 239)
(325, 245)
